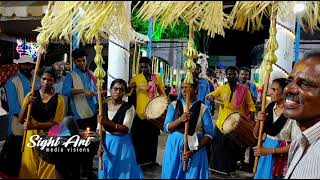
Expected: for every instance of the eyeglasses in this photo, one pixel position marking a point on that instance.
(118, 89)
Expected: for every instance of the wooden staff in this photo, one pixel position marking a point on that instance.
(138, 61)
(270, 58)
(34, 80)
(189, 65)
(152, 65)
(99, 74)
(134, 59)
(42, 39)
(100, 114)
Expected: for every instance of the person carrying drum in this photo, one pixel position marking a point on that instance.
(145, 86)
(279, 131)
(201, 130)
(234, 97)
(119, 159)
(47, 110)
(247, 157)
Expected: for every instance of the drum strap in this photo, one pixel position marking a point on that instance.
(121, 113)
(195, 112)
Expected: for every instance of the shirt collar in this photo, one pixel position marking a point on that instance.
(184, 102)
(312, 133)
(76, 69)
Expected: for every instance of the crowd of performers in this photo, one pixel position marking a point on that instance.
(291, 133)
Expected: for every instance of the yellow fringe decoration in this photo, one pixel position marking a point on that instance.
(248, 14)
(190, 53)
(90, 18)
(270, 58)
(204, 14)
(99, 72)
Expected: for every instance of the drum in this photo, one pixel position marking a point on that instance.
(156, 111)
(239, 129)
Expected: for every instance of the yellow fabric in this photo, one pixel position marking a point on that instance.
(142, 93)
(32, 166)
(224, 93)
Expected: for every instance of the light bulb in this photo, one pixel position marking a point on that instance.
(144, 53)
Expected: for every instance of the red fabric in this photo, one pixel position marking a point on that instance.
(3, 176)
(7, 71)
(240, 96)
(153, 88)
(280, 165)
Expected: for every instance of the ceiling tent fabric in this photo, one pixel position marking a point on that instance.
(23, 8)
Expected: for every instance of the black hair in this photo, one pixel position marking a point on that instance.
(311, 54)
(145, 60)
(49, 70)
(194, 85)
(198, 65)
(120, 81)
(233, 68)
(77, 53)
(245, 69)
(283, 82)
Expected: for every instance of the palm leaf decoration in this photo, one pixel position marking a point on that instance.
(206, 15)
(88, 18)
(248, 14)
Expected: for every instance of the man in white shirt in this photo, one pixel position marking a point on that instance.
(302, 102)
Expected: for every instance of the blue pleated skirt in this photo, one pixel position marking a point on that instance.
(266, 163)
(172, 163)
(119, 159)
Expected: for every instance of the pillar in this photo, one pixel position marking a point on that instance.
(286, 49)
(118, 56)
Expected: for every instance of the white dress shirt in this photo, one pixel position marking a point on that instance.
(304, 155)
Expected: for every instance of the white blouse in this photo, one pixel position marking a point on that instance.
(128, 119)
(290, 130)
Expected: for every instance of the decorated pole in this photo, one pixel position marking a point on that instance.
(99, 74)
(270, 59)
(190, 53)
(138, 60)
(42, 39)
(134, 60)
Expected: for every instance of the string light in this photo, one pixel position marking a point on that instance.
(28, 48)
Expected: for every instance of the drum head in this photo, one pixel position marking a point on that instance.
(156, 107)
(231, 122)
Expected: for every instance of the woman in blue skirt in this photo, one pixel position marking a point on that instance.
(119, 159)
(279, 131)
(199, 135)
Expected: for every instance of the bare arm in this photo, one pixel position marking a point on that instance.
(264, 151)
(77, 91)
(42, 126)
(112, 126)
(203, 142)
(23, 112)
(184, 118)
(261, 117)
